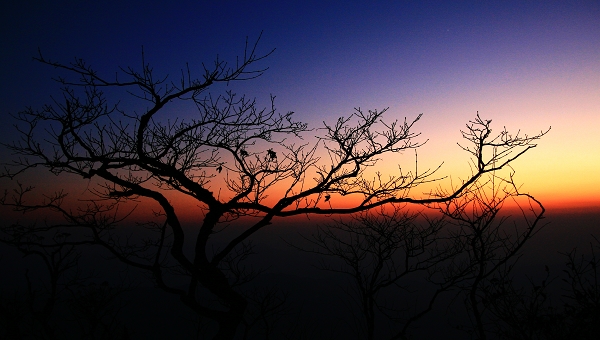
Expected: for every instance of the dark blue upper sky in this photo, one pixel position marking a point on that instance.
(322, 46)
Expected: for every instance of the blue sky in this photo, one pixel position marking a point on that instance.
(524, 64)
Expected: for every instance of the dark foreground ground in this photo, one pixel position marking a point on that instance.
(318, 304)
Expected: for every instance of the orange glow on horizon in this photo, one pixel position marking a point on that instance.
(577, 199)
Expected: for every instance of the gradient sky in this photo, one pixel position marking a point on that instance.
(526, 65)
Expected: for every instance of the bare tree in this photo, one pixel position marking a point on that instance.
(60, 259)
(545, 309)
(60, 287)
(96, 307)
(582, 297)
(268, 305)
(461, 249)
(235, 160)
(378, 250)
(522, 312)
(471, 249)
(489, 241)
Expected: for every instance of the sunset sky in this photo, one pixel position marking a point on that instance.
(526, 65)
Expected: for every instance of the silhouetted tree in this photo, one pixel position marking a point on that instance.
(96, 307)
(522, 312)
(561, 307)
(582, 297)
(60, 259)
(58, 288)
(489, 242)
(236, 161)
(268, 305)
(380, 250)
